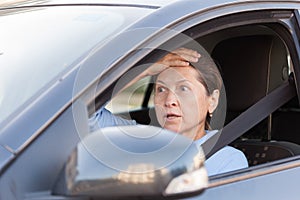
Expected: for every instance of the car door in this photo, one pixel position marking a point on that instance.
(266, 177)
(95, 88)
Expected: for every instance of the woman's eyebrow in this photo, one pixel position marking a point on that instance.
(161, 82)
(183, 80)
(179, 81)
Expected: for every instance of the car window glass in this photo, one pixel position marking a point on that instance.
(129, 99)
(32, 54)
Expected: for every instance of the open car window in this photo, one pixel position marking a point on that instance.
(254, 60)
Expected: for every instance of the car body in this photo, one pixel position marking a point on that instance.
(63, 59)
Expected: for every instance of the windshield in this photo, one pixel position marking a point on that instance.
(38, 44)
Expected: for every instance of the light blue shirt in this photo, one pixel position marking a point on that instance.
(225, 160)
(104, 118)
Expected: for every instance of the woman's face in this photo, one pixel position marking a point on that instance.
(181, 101)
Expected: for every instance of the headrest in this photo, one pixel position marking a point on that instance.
(245, 66)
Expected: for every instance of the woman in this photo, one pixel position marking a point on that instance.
(185, 99)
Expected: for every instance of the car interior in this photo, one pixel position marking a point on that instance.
(265, 69)
(254, 60)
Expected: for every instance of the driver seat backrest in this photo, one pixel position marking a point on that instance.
(244, 63)
(252, 66)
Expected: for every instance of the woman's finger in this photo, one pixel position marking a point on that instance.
(187, 54)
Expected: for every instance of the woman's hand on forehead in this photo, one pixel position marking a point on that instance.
(187, 54)
(178, 58)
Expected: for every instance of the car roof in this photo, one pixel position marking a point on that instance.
(137, 3)
(158, 3)
(150, 4)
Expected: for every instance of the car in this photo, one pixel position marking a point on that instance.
(62, 60)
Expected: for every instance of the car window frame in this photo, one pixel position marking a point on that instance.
(283, 164)
(244, 173)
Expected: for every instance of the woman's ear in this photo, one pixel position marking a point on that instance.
(213, 101)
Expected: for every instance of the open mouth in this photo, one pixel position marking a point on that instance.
(172, 116)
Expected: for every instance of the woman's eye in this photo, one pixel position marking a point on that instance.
(184, 88)
(160, 89)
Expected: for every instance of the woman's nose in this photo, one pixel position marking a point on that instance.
(171, 99)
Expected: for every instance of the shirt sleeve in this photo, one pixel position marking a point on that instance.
(104, 118)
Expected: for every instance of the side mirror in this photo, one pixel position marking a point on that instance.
(132, 161)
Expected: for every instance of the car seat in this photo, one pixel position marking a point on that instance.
(251, 67)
